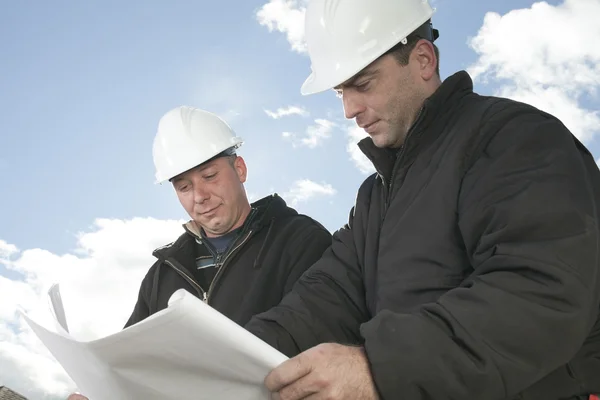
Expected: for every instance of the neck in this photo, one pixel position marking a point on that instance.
(243, 216)
(428, 90)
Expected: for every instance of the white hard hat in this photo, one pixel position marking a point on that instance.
(188, 137)
(345, 36)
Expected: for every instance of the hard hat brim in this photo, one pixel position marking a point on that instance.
(237, 142)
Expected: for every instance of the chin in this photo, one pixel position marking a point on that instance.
(380, 141)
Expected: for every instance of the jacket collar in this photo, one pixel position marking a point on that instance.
(263, 212)
(437, 107)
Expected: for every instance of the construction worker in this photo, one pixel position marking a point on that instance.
(469, 267)
(240, 258)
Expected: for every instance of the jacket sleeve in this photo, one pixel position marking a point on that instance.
(326, 304)
(307, 249)
(141, 310)
(528, 219)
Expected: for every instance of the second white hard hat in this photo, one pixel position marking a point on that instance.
(345, 36)
(188, 137)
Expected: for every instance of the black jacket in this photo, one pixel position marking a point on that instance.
(274, 247)
(469, 265)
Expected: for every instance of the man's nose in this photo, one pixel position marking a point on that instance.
(352, 105)
(200, 194)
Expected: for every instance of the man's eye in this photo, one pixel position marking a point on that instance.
(210, 176)
(183, 188)
(361, 87)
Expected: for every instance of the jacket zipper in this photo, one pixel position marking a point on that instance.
(210, 248)
(190, 280)
(222, 267)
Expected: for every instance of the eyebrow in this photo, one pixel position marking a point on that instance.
(361, 75)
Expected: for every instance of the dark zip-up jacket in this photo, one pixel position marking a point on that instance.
(274, 247)
(469, 265)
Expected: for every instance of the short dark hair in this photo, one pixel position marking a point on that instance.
(231, 158)
(401, 51)
(229, 153)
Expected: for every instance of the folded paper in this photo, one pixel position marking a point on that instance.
(186, 351)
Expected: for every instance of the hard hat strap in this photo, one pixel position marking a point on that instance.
(426, 31)
(225, 153)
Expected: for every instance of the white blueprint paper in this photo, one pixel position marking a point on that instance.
(187, 351)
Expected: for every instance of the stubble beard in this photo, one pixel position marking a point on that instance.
(416, 102)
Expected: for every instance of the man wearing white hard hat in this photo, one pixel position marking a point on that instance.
(240, 258)
(469, 267)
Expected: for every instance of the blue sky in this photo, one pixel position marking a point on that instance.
(82, 86)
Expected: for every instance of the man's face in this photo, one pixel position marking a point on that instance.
(213, 194)
(384, 98)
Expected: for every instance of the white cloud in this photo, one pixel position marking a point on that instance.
(547, 56)
(285, 16)
(355, 134)
(305, 189)
(284, 112)
(99, 282)
(230, 115)
(6, 250)
(315, 134)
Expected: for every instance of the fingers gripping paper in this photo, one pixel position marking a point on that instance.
(187, 351)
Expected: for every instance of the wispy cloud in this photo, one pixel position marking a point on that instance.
(314, 136)
(287, 111)
(305, 189)
(285, 16)
(6, 250)
(227, 89)
(230, 115)
(547, 56)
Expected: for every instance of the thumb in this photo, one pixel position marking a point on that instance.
(288, 372)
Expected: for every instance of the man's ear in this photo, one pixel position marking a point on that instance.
(240, 168)
(424, 55)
